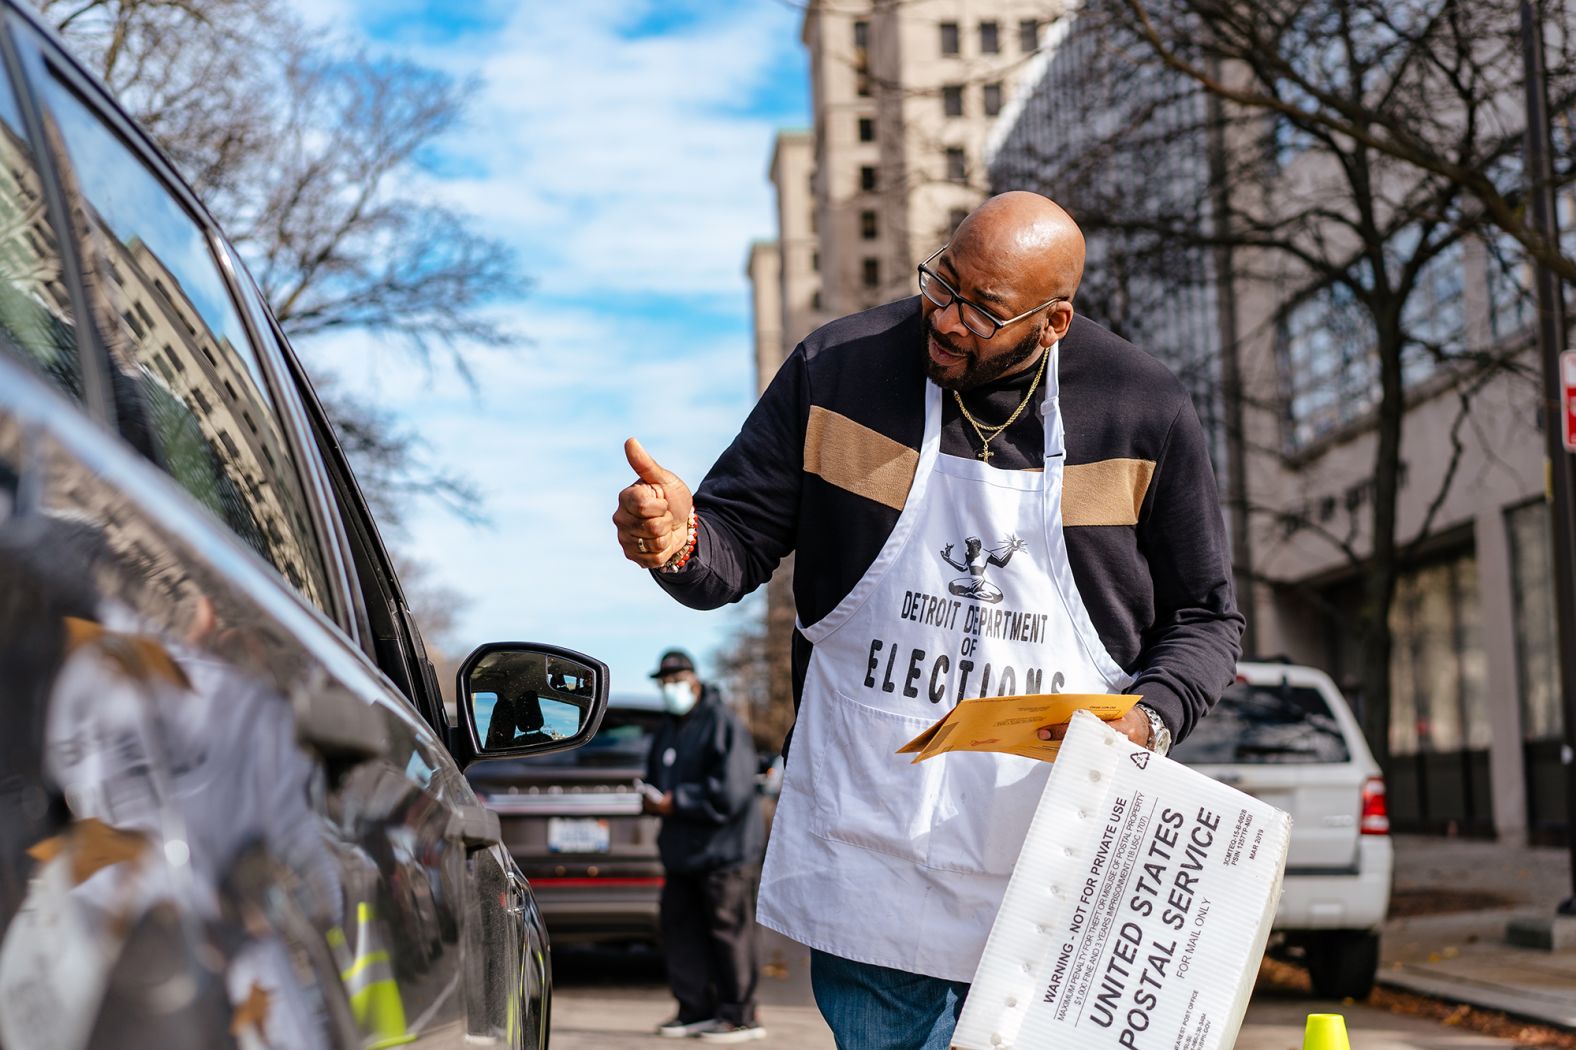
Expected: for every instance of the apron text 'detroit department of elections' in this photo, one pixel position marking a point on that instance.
(874, 858)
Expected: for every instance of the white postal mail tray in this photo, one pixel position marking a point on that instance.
(1138, 911)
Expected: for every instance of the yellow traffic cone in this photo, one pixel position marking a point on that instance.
(369, 981)
(1326, 1032)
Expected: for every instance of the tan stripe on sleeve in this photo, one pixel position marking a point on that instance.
(1108, 492)
(853, 457)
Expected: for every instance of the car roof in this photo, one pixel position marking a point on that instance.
(1275, 673)
(635, 702)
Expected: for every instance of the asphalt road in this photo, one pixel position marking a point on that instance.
(610, 999)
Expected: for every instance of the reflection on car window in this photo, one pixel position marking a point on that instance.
(568, 677)
(559, 719)
(1266, 725)
(35, 310)
(176, 336)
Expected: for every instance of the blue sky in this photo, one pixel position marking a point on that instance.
(620, 146)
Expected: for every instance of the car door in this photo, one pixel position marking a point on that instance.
(295, 843)
(507, 965)
(169, 883)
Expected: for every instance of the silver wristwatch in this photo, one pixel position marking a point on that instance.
(1159, 735)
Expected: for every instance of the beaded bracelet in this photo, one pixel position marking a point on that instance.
(681, 559)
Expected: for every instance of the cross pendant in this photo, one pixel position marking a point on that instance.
(985, 453)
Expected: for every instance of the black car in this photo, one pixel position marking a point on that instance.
(232, 810)
(573, 822)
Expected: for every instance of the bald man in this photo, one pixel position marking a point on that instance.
(1069, 470)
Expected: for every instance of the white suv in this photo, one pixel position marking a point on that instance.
(1285, 734)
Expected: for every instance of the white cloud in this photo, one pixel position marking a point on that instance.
(543, 439)
(621, 163)
(624, 173)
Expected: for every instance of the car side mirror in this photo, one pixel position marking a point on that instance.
(524, 698)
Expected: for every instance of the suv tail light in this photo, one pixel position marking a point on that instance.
(1376, 815)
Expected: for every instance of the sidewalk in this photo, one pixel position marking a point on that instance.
(1446, 936)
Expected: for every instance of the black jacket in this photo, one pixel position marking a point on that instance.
(707, 760)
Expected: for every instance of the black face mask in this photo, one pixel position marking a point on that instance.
(977, 372)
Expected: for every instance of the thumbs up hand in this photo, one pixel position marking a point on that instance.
(653, 512)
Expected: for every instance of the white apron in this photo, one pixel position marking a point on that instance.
(873, 858)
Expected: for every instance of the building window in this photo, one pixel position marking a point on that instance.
(872, 273)
(867, 178)
(815, 299)
(815, 262)
(952, 100)
(131, 216)
(1508, 279)
(1537, 645)
(1329, 367)
(957, 164)
(949, 38)
(867, 129)
(955, 219)
(862, 58)
(867, 225)
(1438, 698)
(1439, 695)
(990, 38)
(1029, 35)
(992, 99)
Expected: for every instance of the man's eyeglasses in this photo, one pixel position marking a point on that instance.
(975, 317)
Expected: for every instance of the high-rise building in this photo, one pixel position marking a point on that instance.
(798, 251)
(903, 98)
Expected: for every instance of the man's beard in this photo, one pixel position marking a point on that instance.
(977, 372)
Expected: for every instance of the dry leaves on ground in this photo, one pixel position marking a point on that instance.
(1288, 977)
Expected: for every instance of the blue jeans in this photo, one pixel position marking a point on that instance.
(872, 1007)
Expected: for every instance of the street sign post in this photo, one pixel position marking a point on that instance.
(1552, 333)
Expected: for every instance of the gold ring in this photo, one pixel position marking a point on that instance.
(640, 545)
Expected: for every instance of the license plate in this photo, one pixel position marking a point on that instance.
(577, 835)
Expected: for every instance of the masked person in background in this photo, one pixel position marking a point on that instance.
(703, 763)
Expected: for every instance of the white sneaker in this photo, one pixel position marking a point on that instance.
(681, 1029)
(740, 1033)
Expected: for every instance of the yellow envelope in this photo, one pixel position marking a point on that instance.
(1010, 724)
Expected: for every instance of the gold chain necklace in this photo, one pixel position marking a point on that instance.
(995, 431)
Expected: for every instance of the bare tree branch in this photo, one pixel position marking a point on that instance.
(1361, 145)
(310, 155)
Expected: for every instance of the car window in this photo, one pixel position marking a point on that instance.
(559, 719)
(624, 741)
(1266, 725)
(35, 308)
(175, 334)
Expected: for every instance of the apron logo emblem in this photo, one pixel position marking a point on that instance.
(1140, 759)
(977, 558)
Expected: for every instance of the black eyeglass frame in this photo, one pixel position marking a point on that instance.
(957, 299)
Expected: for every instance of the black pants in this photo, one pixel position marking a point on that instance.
(708, 937)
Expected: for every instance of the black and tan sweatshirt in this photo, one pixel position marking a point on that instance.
(824, 462)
